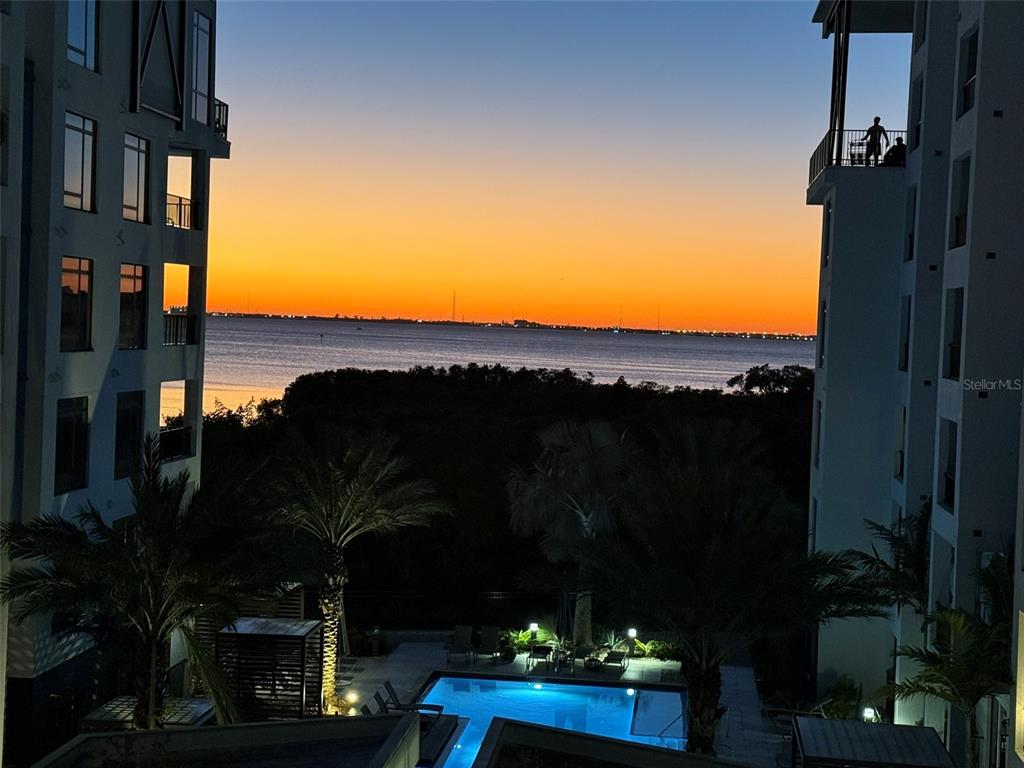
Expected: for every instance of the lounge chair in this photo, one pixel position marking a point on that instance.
(615, 658)
(489, 638)
(581, 652)
(461, 642)
(365, 709)
(397, 703)
(430, 713)
(538, 653)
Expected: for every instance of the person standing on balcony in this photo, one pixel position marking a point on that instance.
(874, 137)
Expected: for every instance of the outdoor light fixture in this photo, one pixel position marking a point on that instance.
(351, 697)
(631, 632)
(870, 714)
(533, 631)
(537, 686)
(352, 712)
(630, 691)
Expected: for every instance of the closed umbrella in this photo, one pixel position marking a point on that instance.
(563, 622)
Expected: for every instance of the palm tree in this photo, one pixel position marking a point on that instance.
(969, 658)
(902, 570)
(176, 562)
(570, 497)
(708, 550)
(333, 499)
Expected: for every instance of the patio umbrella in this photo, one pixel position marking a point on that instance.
(563, 621)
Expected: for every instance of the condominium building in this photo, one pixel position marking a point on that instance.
(109, 124)
(920, 332)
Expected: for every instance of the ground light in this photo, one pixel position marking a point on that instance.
(533, 630)
(870, 715)
(631, 633)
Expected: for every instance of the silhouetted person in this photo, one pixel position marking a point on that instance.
(874, 137)
(896, 155)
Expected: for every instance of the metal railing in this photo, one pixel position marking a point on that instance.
(220, 118)
(850, 148)
(179, 329)
(179, 212)
(175, 443)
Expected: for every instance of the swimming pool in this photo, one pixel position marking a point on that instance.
(645, 716)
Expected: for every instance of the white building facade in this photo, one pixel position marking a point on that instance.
(104, 283)
(917, 398)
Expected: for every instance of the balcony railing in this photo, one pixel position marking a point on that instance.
(220, 118)
(179, 329)
(851, 148)
(179, 212)
(175, 443)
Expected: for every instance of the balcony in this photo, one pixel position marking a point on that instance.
(179, 329)
(849, 148)
(179, 212)
(220, 119)
(175, 443)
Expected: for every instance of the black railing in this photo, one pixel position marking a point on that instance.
(220, 118)
(175, 443)
(179, 329)
(179, 212)
(851, 148)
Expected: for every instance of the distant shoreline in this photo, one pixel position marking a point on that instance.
(522, 324)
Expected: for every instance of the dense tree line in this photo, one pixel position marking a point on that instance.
(465, 429)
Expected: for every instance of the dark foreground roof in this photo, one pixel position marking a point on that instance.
(856, 743)
(335, 742)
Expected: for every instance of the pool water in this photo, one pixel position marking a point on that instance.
(639, 715)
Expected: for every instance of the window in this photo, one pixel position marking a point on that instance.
(954, 332)
(128, 433)
(133, 307)
(5, 120)
(822, 320)
(901, 442)
(200, 68)
(826, 234)
(904, 349)
(79, 161)
(916, 109)
(960, 202)
(947, 465)
(812, 528)
(82, 32)
(908, 253)
(968, 72)
(71, 459)
(817, 433)
(136, 175)
(75, 304)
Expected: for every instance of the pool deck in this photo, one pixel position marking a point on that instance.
(743, 735)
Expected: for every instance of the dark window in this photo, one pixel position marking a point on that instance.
(822, 322)
(128, 433)
(916, 109)
(75, 304)
(968, 72)
(136, 176)
(954, 332)
(812, 528)
(5, 120)
(71, 459)
(79, 161)
(901, 442)
(947, 465)
(960, 202)
(826, 234)
(200, 68)
(817, 432)
(82, 32)
(908, 253)
(904, 349)
(133, 307)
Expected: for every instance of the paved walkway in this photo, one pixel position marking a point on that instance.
(743, 735)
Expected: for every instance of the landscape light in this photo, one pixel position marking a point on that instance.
(534, 627)
(351, 697)
(870, 714)
(631, 632)
(352, 712)
(533, 631)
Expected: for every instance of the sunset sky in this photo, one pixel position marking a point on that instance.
(549, 161)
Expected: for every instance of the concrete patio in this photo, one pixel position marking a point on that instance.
(744, 735)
